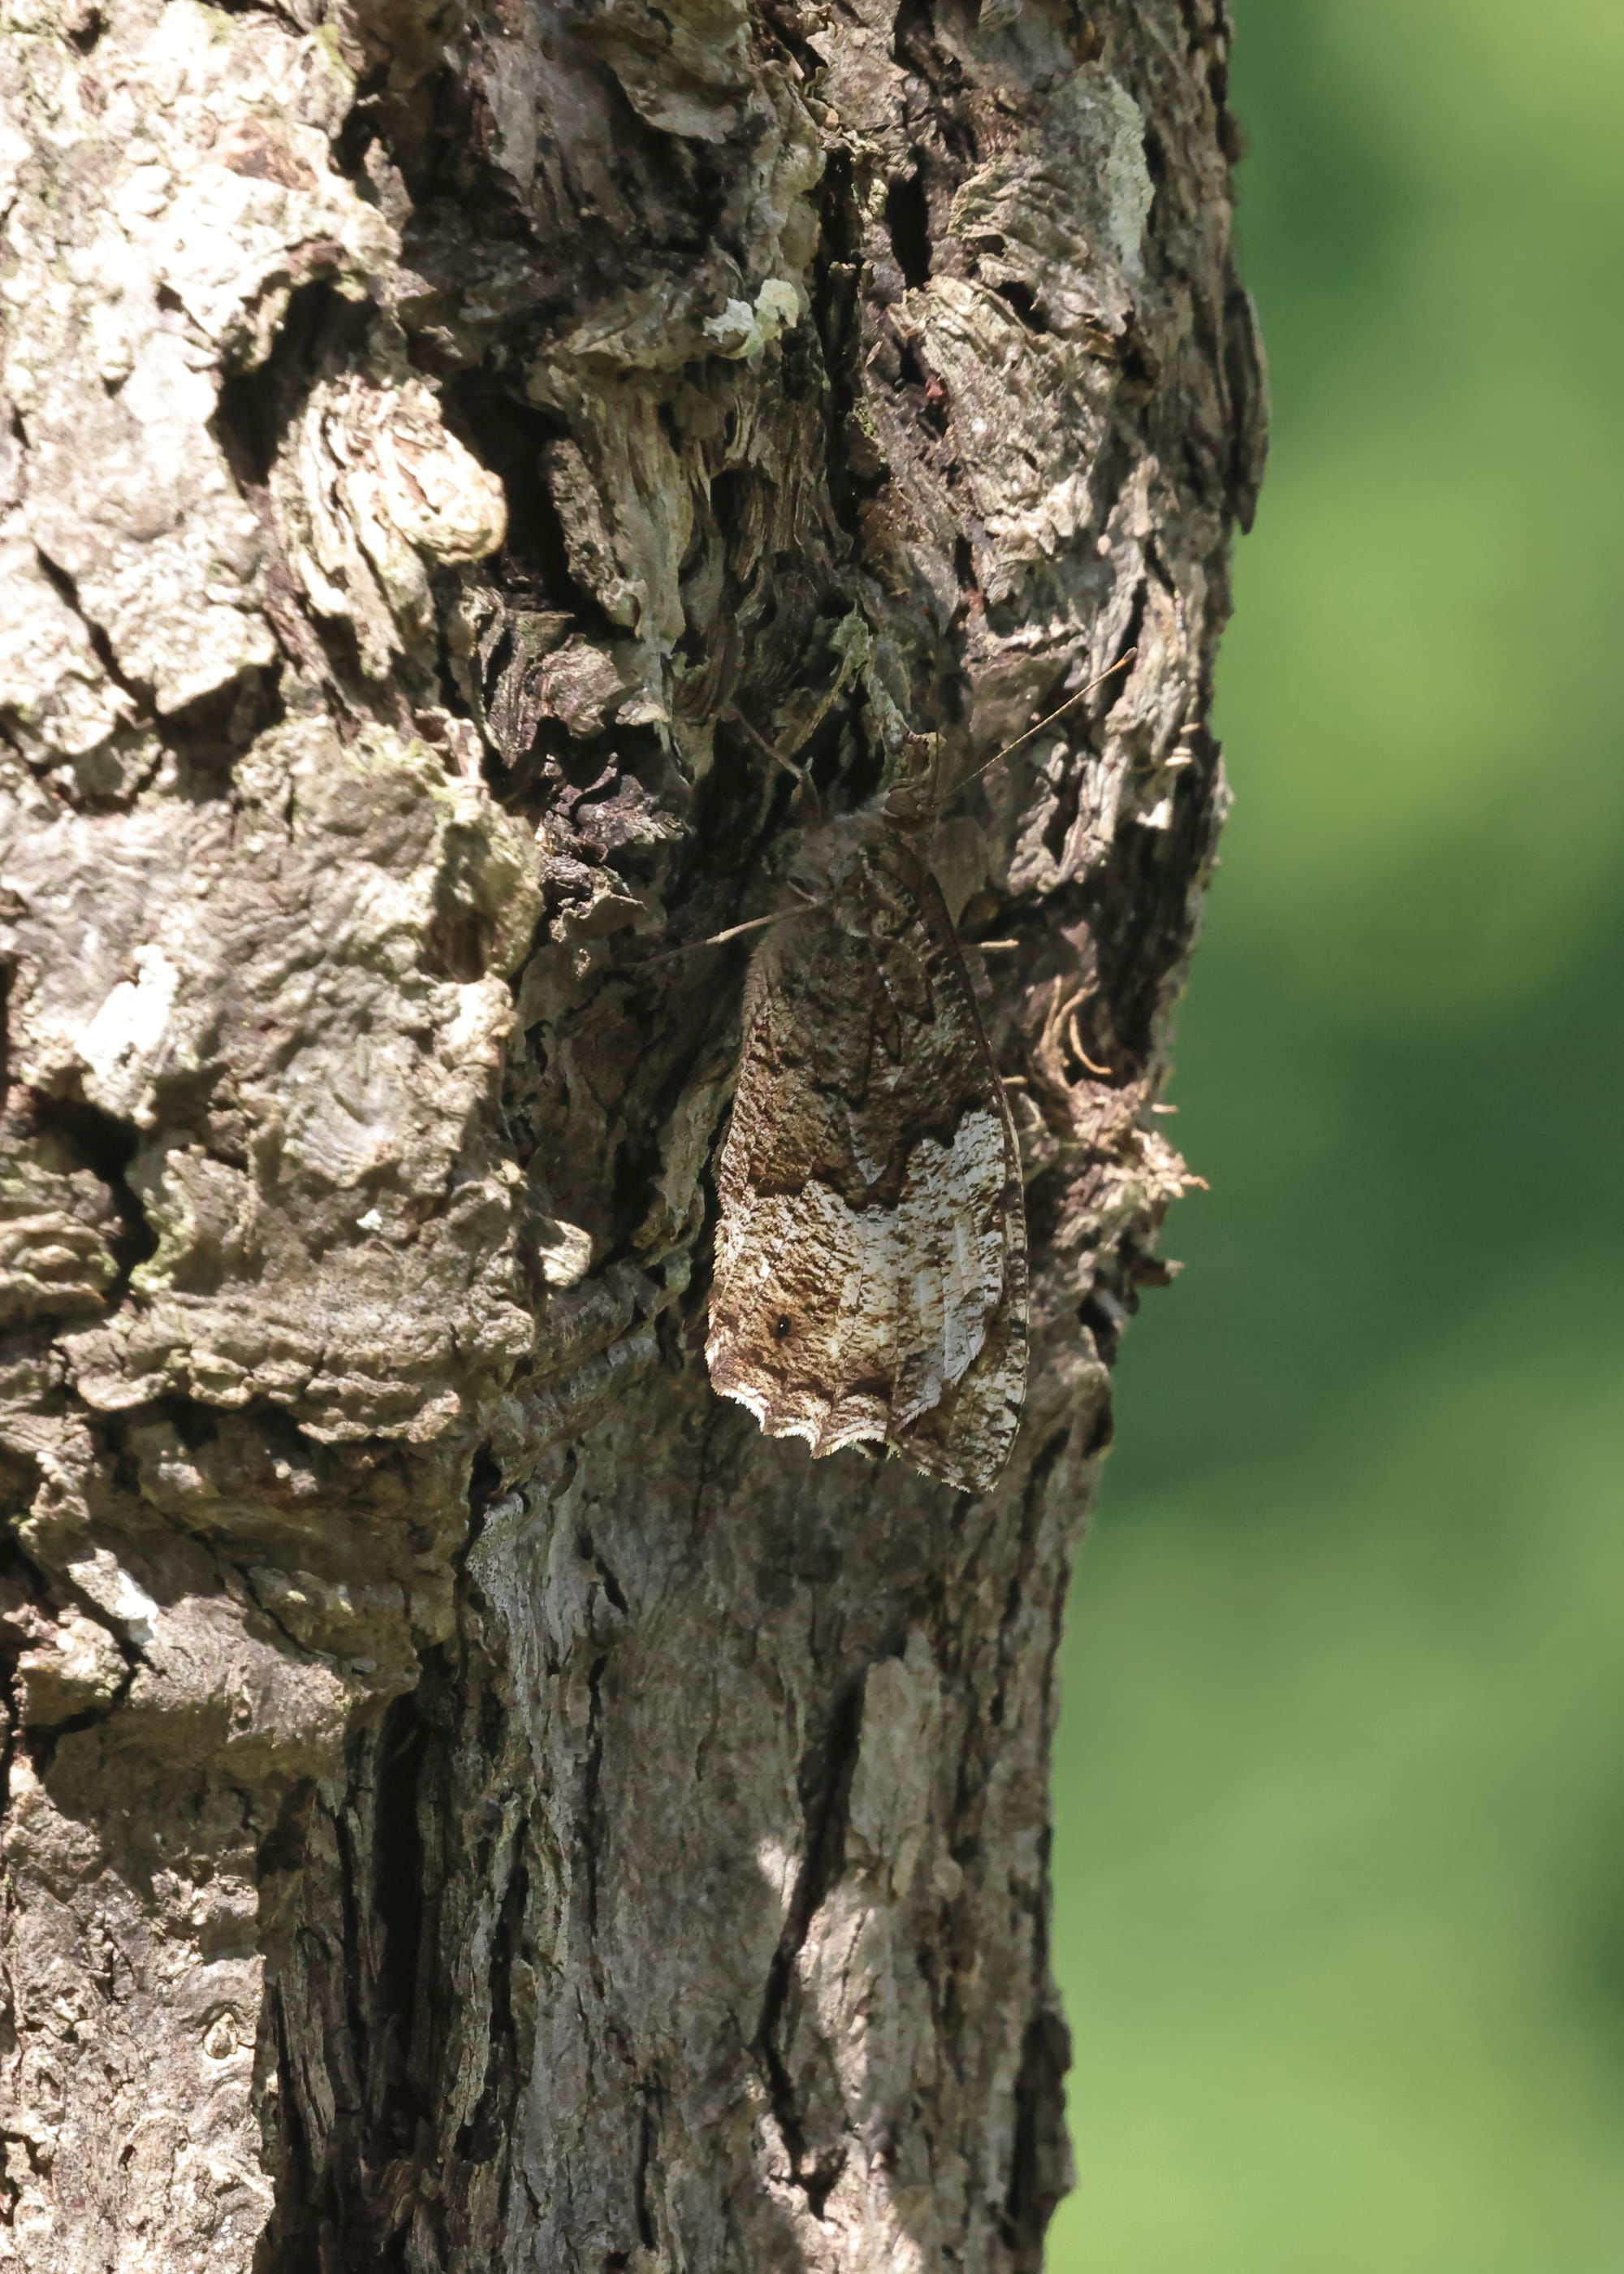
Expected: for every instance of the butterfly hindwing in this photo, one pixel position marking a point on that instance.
(870, 1276)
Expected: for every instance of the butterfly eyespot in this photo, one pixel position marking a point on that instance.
(782, 1329)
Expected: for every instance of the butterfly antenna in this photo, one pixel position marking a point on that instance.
(734, 931)
(804, 783)
(1071, 704)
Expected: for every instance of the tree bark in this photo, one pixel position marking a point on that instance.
(472, 1802)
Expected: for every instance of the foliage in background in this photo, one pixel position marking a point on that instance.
(1340, 1839)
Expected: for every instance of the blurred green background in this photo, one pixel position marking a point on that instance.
(1340, 1850)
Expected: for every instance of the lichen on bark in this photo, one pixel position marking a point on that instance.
(470, 1801)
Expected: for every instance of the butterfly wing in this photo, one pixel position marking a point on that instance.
(870, 1278)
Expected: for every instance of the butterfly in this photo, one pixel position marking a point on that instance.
(871, 1271)
(870, 1278)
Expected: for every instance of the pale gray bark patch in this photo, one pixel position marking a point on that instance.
(470, 1801)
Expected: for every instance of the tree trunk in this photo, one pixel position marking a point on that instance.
(473, 1802)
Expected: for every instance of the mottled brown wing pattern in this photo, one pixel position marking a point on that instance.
(870, 1278)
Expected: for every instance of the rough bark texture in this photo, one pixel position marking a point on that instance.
(471, 1802)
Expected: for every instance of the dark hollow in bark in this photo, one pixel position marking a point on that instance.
(472, 1801)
